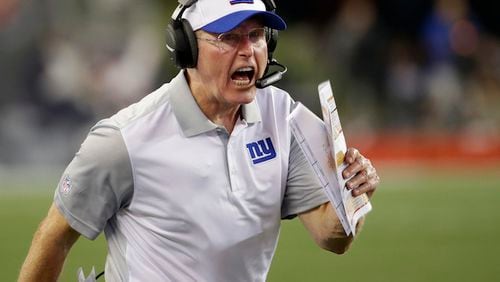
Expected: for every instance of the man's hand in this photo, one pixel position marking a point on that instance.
(322, 222)
(365, 179)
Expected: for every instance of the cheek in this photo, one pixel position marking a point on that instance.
(211, 66)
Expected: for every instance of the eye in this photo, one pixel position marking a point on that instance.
(231, 39)
(256, 34)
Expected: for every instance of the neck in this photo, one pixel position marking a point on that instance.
(222, 114)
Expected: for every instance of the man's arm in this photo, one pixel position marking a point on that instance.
(322, 222)
(325, 228)
(49, 248)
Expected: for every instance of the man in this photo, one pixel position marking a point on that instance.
(173, 180)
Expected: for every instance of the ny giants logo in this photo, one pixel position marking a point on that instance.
(261, 150)
(232, 2)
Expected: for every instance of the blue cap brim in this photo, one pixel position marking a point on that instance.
(231, 21)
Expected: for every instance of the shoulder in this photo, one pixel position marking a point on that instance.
(103, 147)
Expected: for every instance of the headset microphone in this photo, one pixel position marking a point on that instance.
(273, 77)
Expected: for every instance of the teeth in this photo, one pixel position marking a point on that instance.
(241, 82)
(241, 76)
(245, 69)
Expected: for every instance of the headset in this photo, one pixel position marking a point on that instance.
(183, 46)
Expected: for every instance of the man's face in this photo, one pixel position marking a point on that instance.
(227, 75)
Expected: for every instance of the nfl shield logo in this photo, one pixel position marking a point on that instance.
(66, 185)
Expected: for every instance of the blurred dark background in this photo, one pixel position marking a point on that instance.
(398, 68)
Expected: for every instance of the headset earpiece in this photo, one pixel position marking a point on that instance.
(181, 42)
(272, 34)
(191, 56)
(271, 77)
(272, 41)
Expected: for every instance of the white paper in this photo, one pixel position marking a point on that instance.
(324, 146)
(312, 137)
(355, 207)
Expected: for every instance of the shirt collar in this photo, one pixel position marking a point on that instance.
(189, 115)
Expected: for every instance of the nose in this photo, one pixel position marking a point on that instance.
(245, 47)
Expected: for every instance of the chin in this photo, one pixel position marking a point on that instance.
(247, 96)
(240, 95)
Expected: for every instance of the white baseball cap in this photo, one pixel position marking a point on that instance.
(219, 16)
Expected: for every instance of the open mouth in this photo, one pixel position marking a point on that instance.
(243, 76)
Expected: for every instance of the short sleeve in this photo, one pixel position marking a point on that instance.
(97, 182)
(303, 191)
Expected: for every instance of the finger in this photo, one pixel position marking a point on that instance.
(368, 187)
(351, 155)
(358, 165)
(352, 169)
(365, 188)
(360, 178)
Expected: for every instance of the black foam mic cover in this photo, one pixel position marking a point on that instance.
(270, 78)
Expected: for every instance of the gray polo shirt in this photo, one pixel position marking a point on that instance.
(179, 199)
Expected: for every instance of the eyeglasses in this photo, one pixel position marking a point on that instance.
(230, 40)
